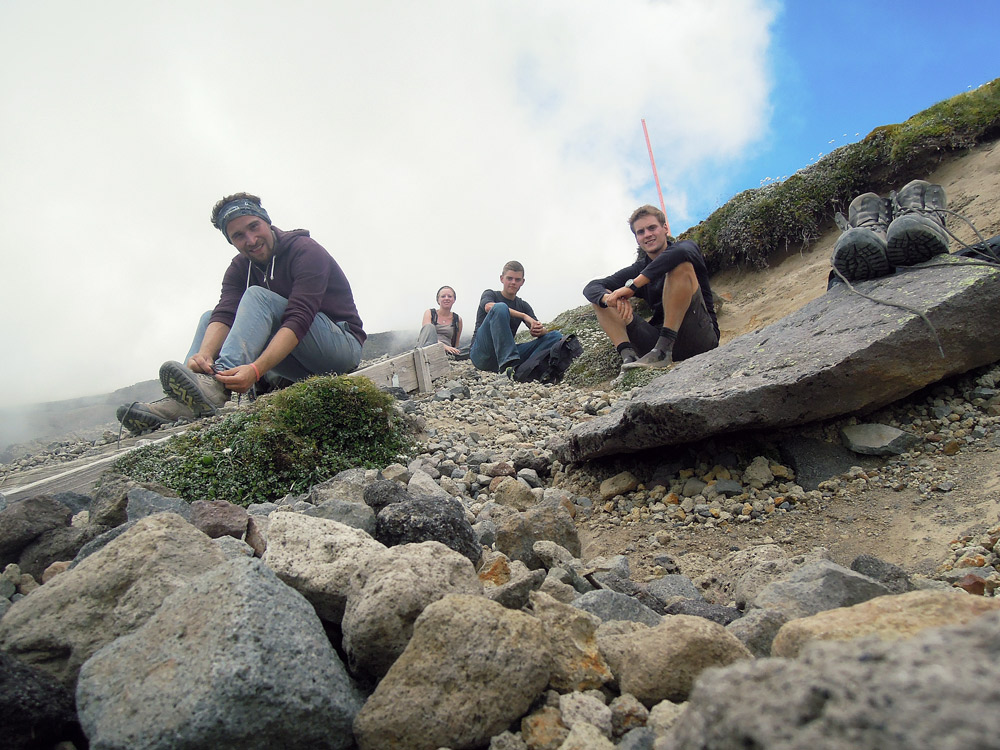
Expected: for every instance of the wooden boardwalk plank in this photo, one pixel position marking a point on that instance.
(411, 371)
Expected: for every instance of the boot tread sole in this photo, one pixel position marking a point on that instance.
(180, 384)
(862, 259)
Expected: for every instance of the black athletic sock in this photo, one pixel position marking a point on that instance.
(668, 337)
(627, 352)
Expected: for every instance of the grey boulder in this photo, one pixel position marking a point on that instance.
(143, 503)
(428, 519)
(323, 560)
(471, 668)
(217, 518)
(815, 587)
(938, 691)
(400, 584)
(878, 439)
(518, 532)
(838, 354)
(56, 545)
(234, 659)
(662, 663)
(37, 710)
(23, 521)
(358, 515)
(610, 605)
(109, 594)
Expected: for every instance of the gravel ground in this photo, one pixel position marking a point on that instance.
(932, 509)
(924, 509)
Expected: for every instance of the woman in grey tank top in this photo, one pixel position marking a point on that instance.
(442, 325)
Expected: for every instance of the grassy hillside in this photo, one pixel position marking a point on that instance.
(755, 223)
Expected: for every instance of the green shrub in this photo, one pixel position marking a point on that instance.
(285, 442)
(959, 122)
(599, 363)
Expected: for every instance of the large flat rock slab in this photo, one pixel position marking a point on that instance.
(839, 354)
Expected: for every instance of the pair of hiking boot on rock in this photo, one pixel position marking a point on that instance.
(882, 234)
(189, 395)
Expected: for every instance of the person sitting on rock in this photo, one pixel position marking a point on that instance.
(498, 317)
(673, 280)
(286, 312)
(442, 325)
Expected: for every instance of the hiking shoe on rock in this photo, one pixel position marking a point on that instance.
(917, 230)
(860, 253)
(142, 417)
(653, 360)
(203, 394)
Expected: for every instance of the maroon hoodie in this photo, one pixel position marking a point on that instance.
(302, 272)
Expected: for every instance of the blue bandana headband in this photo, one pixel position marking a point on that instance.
(236, 208)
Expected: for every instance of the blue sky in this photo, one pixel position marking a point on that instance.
(839, 69)
(421, 143)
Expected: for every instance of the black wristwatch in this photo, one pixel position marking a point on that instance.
(630, 284)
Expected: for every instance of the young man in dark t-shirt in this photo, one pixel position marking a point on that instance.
(673, 280)
(497, 320)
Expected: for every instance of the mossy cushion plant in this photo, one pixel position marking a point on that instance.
(286, 442)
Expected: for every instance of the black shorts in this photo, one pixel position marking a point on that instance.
(696, 335)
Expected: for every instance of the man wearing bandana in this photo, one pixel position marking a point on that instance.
(286, 312)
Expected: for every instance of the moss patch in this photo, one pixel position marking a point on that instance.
(286, 442)
(636, 378)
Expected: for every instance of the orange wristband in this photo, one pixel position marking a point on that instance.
(255, 370)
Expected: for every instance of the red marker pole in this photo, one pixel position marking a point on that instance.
(655, 175)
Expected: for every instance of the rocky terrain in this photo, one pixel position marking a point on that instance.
(829, 585)
(485, 595)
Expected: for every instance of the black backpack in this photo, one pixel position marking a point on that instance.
(988, 250)
(549, 365)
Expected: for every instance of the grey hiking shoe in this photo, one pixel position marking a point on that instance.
(917, 230)
(203, 394)
(652, 360)
(142, 417)
(860, 253)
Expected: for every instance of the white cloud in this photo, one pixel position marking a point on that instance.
(421, 143)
